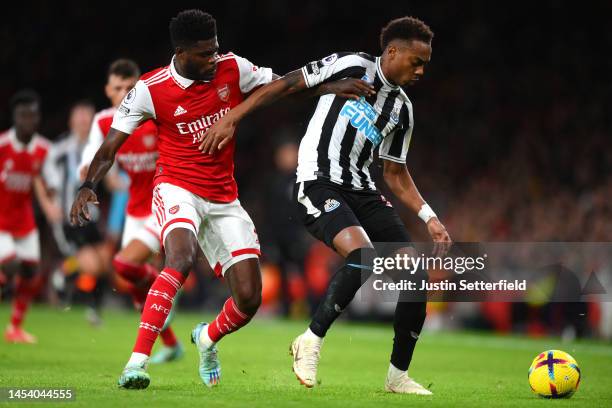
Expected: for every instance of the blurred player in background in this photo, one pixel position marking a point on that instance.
(86, 255)
(283, 241)
(22, 156)
(137, 157)
(195, 196)
(337, 197)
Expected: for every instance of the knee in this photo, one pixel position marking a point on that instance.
(182, 262)
(248, 299)
(181, 250)
(181, 258)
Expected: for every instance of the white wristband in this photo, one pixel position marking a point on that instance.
(426, 213)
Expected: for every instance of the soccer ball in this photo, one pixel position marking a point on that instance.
(554, 374)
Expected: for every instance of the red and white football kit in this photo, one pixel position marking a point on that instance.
(137, 157)
(194, 190)
(19, 164)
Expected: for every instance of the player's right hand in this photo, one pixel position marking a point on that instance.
(439, 235)
(218, 135)
(79, 214)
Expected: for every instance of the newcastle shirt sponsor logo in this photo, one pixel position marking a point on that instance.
(362, 116)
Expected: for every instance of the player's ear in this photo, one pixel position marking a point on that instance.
(108, 90)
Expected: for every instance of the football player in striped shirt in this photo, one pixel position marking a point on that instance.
(338, 199)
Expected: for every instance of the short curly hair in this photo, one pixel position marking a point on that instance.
(24, 97)
(405, 28)
(191, 26)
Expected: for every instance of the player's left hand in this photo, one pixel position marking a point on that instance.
(219, 135)
(439, 235)
(350, 88)
(79, 214)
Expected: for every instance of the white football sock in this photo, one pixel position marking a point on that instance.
(310, 335)
(138, 359)
(204, 339)
(395, 372)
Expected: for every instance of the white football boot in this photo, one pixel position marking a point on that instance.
(306, 351)
(399, 382)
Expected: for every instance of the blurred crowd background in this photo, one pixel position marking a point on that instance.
(511, 140)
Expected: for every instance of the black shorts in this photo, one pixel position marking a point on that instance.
(326, 209)
(71, 238)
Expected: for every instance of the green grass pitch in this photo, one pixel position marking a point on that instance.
(462, 369)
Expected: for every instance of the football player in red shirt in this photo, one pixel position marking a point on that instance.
(137, 157)
(195, 196)
(22, 155)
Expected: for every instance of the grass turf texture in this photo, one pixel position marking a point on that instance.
(462, 369)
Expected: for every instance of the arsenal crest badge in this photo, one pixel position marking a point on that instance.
(223, 92)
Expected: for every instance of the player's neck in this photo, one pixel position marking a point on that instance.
(384, 67)
(22, 137)
(179, 69)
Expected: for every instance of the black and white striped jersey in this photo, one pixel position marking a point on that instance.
(342, 134)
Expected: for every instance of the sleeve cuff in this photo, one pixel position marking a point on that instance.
(393, 159)
(123, 128)
(305, 75)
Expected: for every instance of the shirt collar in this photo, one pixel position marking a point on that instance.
(382, 76)
(18, 146)
(181, 80)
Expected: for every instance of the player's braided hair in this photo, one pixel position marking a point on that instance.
(405, 28)
(24, 97)
(124, 68)
(191, 26)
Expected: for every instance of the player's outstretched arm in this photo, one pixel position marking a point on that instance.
(222, 131)
(101, 163)
(400, 182)
(350, 88)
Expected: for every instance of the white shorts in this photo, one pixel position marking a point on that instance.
(225, 231)
(25, 249)
(144, 229)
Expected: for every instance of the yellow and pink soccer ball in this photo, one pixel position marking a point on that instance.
(554, 374)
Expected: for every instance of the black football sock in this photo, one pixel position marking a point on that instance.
(342, 288)
(408, 322)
